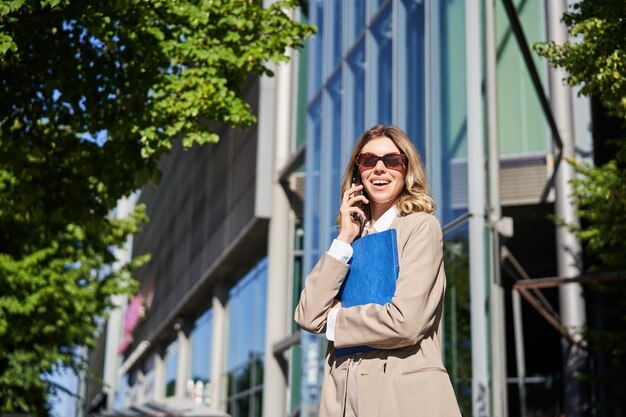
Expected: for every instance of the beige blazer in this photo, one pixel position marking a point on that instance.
(406, 378)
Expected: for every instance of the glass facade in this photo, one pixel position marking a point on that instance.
(402, 63)
(246, 343)
(446, 158)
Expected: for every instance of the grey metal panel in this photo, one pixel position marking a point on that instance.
(458, 182)
(523, 180)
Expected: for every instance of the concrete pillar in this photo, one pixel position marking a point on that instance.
(112, 361)
(158, 391)
(115, 322)
(219, 340)
(278, 312)
(182, 367)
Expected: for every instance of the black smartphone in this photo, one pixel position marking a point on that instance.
(356, 180)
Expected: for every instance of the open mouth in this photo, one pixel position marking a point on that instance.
(380, 182)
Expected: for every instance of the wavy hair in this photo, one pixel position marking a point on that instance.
(415, 195)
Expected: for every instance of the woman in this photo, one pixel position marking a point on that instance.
(405, 376)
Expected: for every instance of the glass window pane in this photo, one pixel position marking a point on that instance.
(258, 405)
(121, 392)
(231, 386)
(411, 71)
(381, 76)
(242, 378)
(295, 377)
(316, 12)
(247, 316)
(242, 407)
(335, 38)
(171, 365)
(374, 6)
(447, 163)
(356, 19)
(298, 271)
(301, 96)
(522, 126)
(333, 154)
(312, 186)
(453, 57)
(257, 376)
(198, 386)
(355, 96)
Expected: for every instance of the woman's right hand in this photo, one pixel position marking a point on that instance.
(350, 227)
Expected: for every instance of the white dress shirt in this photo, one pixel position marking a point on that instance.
(342, 251)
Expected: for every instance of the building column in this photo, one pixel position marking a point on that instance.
(112, 360)
(115, 322)
(497, 313)
(219, 340)
(182, 367)
(158, 391)
(477, 193)
(569, 251)
(278, 312)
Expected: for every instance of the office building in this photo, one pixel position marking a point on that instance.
(234, 227)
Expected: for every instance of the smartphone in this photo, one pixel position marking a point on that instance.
(356, 180)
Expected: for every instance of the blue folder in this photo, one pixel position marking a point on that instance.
(372, 276)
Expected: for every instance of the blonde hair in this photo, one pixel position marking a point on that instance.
(415, 196)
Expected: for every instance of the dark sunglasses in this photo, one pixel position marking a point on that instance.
(395, 161)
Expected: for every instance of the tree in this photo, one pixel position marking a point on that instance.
(93, 93)
(597, 63)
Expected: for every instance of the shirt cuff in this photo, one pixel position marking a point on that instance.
(331, 319)
(340, 250)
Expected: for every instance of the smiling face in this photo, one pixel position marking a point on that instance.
(382, 185)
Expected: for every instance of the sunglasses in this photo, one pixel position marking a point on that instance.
(395, 161)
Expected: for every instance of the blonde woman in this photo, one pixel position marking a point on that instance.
(404, 376)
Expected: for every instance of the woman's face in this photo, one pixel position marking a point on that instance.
(383, 185)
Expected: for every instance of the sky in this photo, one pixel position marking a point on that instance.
(64, 405)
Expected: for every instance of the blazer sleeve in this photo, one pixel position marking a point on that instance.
(320, 289)
(418, 298)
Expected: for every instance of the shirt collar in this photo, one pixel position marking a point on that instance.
(383, 223)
